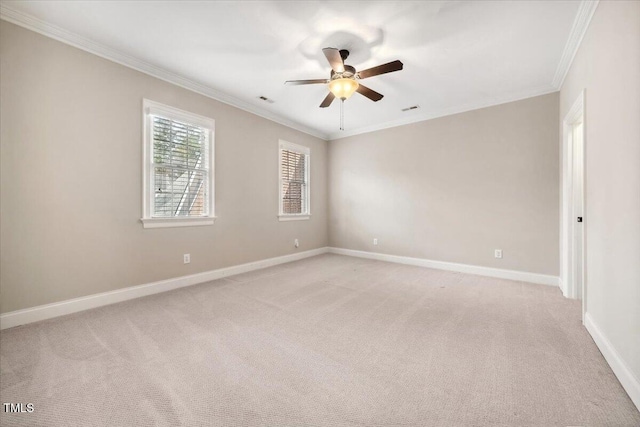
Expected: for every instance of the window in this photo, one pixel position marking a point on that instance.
(178, 167)
(294, 181)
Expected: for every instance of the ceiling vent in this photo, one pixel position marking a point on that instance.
(413, 107)
(265, 99)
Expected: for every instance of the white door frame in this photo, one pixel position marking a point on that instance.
(569, 287)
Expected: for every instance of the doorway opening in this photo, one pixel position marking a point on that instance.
(573, 204)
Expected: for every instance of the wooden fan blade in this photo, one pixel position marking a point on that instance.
(381, 69)
(328, 100)
(306, 82)
(334, 58)
(369, 93)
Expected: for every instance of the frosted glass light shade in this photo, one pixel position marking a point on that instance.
(343, 88)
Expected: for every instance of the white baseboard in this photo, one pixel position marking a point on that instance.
(562, 287)
(48, 311)
(522, 276)
(626, 377)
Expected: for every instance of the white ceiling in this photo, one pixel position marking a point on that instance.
(457, 55)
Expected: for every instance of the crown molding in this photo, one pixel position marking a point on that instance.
(581, 22)
(34, 24)
(420, 117)
(578, 30)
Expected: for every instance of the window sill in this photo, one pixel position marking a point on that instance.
(176, 222)
(293, 217)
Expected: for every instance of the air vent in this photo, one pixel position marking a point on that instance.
(265, 99)
(413, 107)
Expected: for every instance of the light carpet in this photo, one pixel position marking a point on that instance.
(326, 341)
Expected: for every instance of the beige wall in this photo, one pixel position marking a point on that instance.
(607, 66)
(454, 188)
(71, 180)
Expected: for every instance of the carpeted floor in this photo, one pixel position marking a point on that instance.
(327, 341)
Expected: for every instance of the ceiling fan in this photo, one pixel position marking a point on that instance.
(343, 81)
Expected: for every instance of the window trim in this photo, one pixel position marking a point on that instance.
(150, 108)
(285, 145)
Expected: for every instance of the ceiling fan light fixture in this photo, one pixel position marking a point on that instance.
(343, 88)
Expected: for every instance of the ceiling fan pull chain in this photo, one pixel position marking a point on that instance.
(342, 115)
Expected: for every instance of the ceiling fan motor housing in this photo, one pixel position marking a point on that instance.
(348, 73)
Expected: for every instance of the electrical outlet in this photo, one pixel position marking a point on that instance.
(187, 258)
(375, 241)
(296, 243)
(498, 253)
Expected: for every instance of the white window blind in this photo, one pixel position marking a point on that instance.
(294, 180)
(178, 167)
